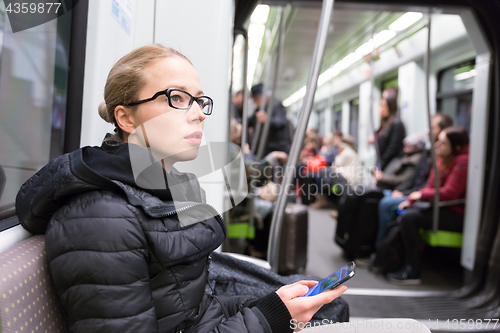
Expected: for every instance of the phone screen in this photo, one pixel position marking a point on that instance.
(334, 280)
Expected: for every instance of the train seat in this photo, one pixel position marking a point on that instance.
(441, 238)
(28, 302)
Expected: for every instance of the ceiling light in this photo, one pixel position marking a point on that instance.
(405, 21)
(383, 37)
(255, 35)
(295, 97)
(365, 49)
(260, 14)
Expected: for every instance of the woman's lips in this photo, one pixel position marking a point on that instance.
(195, 137)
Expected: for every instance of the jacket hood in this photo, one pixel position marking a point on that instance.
(109, 167)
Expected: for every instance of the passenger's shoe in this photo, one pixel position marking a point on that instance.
(405, 276)
(366, 262)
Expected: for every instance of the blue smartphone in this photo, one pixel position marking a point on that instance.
(334, 280)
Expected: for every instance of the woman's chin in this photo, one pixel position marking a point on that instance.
(187, 155)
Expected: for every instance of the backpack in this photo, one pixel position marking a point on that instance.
(390, 251)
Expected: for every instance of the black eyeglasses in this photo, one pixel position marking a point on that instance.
(182, 100)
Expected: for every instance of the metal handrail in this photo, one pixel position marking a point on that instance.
(244, 111)
(372, 87)
(270, 105)
(319, 49)
(427, 60)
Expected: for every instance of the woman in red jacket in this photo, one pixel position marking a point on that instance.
(452, 150)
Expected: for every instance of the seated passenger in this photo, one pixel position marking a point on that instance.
(388, 205)
(346, 162)
(391, 133)
(329, 150)
(402, 168)
(128, 237)
(452, 149)
(344, 169)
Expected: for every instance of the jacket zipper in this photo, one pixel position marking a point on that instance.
(221, 221)
(196, 204)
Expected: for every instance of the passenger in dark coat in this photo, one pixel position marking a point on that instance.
(278, 138)
(391, 133)
(452, 150)
(128, 237)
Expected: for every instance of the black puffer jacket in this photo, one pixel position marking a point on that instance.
(390, 142)
(121, 259)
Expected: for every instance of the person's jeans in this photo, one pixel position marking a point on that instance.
(386, 213)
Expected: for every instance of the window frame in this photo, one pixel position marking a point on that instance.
(74, 94)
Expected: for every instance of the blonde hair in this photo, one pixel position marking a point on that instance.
(125, 80)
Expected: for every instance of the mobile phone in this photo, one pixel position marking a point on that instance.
(334, 280)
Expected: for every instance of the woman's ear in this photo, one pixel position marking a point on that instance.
(124, 119)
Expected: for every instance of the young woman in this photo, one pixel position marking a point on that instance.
(391, 133)
(128, 237)
(452, 149)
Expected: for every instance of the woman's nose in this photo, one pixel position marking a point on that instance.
(197, 112)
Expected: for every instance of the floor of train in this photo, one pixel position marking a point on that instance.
(325, 257)
(370, 295)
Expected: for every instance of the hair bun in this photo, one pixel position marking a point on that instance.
(103, 112)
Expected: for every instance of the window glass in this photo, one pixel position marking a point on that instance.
(354, 119)
(33, 87)
(459, 108)
(457, 77)
(337, 114)
(455, 92)
(390, 83)
(320, 125)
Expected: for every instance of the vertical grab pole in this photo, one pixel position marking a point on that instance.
(427, 60)
(372, 86)
(244, 116)
(319, 49)
(269, 111)
(258, 125)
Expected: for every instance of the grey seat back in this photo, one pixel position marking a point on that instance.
(28, 302)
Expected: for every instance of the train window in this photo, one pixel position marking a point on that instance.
(391, 82)
(321, 126)
(33, 88)
(455, 92)
(354, 119)
(337, 114)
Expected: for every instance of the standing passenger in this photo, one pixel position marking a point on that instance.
(391, 133)
(128, 251)
(278, 138)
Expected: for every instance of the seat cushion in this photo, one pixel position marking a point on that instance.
(442, 238)
(28, 302)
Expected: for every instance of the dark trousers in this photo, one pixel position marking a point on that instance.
(414, 219)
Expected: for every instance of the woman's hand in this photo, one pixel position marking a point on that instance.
(261, 116)
(370, 139)
(281, 156)
(378, 174)
(404, 204)
(415, 196)
(303, 308)
(397, 194)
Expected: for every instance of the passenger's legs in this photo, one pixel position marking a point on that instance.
(412, 220)
(386, 208)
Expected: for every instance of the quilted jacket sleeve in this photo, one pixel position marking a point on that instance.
(246, 314)
(99, 265)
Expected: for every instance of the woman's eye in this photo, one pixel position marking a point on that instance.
(176, 98)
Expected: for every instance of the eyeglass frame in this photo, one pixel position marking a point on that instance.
(167, 93)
